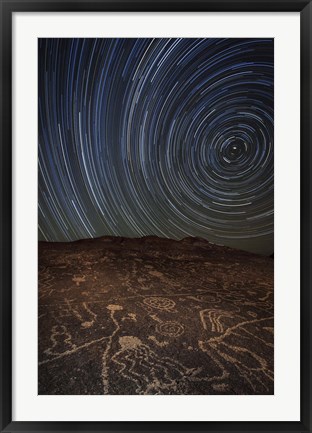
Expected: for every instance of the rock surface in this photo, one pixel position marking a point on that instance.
(154, 316)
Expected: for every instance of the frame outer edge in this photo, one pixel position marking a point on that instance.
(6, 218)
(306, 215)
(6, 424)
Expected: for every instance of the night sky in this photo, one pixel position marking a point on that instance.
(165, 137)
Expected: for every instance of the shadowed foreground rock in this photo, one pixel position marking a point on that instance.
(154, 316)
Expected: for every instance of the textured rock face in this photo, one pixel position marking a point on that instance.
(154, 316)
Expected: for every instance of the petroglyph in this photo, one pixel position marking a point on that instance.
(154, 316)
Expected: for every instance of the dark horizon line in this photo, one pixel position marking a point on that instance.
(43, 241)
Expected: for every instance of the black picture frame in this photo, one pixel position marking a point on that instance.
(7, 9)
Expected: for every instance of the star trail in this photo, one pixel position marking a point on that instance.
(165, 137)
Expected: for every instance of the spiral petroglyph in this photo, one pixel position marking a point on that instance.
(159, 303)
(170, 329)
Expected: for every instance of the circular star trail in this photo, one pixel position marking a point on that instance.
(165, 137)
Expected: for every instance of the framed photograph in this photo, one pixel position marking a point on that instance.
(155, 216)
